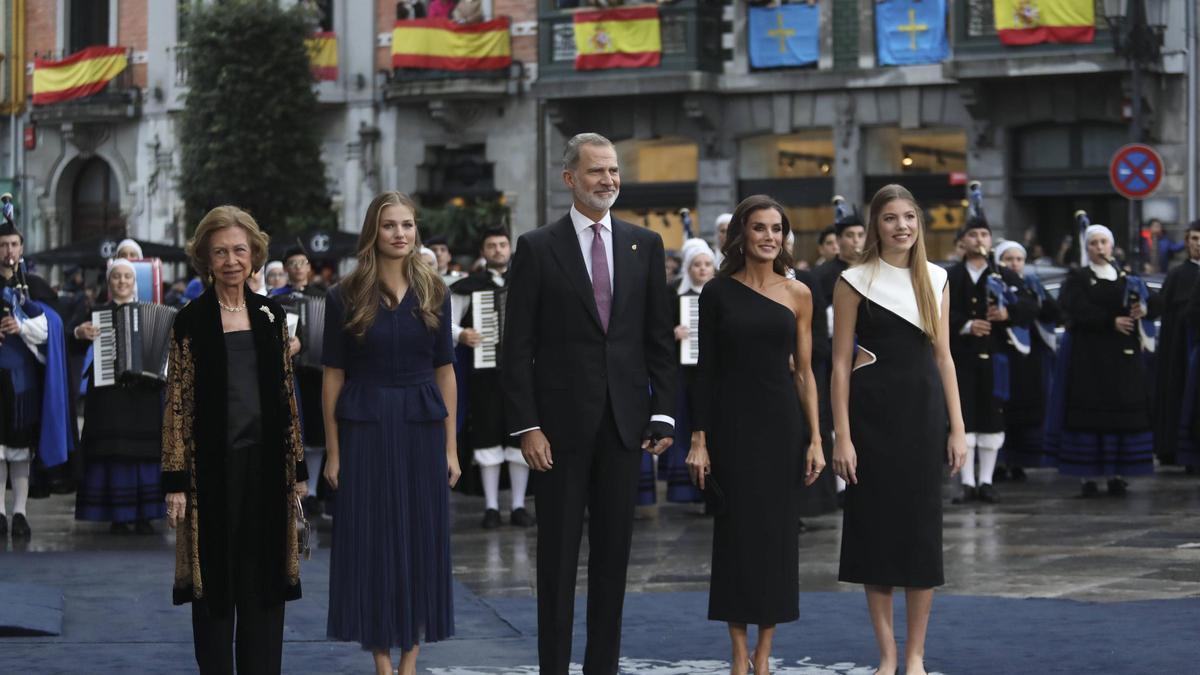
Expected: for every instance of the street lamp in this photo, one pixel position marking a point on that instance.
(1139, 42)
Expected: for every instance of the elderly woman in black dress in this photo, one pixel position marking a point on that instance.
(232, 460)
(759, 417)
(895, 396)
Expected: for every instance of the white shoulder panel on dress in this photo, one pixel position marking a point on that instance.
(891, 287)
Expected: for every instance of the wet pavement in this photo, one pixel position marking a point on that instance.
(1041, 541)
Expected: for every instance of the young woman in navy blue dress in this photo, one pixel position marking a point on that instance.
(391, 453)
(897, 421)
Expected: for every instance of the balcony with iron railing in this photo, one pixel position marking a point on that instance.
(120, 99)
(692, 57)
(427, 69)
(979, 53)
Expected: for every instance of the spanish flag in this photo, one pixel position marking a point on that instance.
(83, 73)
(1031, 22)
(441, 44)
(627, 37)
(323, 55)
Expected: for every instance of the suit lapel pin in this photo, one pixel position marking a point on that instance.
(267, 310)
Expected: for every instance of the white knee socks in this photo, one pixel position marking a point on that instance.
(3, 485)
(491, 485)
(968, 470)
(19, 471)
(989, 450)
(518, 475)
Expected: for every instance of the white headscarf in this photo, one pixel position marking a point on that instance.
(129, 243)
(1094, 230)
(271, 267)
(691, 249)
(1006, 246)
(425, 250)
(121, 262)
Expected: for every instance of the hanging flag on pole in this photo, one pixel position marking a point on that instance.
(784, 36)
(1030, 22)
(909, 32)
(628, 37)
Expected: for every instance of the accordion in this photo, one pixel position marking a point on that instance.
(134, 342)
(306, 321)
(487, 316)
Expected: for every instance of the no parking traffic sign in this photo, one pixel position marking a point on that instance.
(1136, 171)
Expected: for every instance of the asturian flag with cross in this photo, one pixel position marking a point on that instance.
(784, 36)
(910, 31)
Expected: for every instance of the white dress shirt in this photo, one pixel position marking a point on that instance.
(583, 230)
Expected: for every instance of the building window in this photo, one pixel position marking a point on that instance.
(658, 178)
(87, 24)
(932, 164)
(323, 11)
(797, 170)
(1087, 147)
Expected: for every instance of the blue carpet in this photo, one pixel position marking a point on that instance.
(30, 609)
(118, 618)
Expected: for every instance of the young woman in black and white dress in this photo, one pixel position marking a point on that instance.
(894, 398)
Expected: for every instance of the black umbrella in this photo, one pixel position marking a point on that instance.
(95, 252)
(318, 244)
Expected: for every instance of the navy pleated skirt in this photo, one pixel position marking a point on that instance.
(390, 578)
(120, 491)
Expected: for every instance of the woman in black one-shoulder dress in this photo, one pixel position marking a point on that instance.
(897, 420)
(756, 414)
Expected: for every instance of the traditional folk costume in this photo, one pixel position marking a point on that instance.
(1030, 355)
(122, 447)
(484, 432)
(1098, 422)
(981, 363)
(35, 420)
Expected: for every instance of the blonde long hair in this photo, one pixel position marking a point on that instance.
(362, 290)
(927, 301)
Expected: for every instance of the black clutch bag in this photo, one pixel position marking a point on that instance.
(714, 497)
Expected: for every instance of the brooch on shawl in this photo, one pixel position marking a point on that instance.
(267, 310)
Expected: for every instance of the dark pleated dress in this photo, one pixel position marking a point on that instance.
(389, 574)
(747, 404)
(892, 523)
(1099, 413)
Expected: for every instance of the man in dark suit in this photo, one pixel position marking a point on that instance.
(589, 380)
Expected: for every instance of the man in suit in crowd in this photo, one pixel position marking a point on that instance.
(589, 380)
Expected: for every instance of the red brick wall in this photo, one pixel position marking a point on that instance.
(131, 32)
(385, 18)
(39, 28)
(524, 48)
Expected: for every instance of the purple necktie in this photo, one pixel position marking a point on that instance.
(601, 286)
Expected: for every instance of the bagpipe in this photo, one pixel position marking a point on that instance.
(1000, 294)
